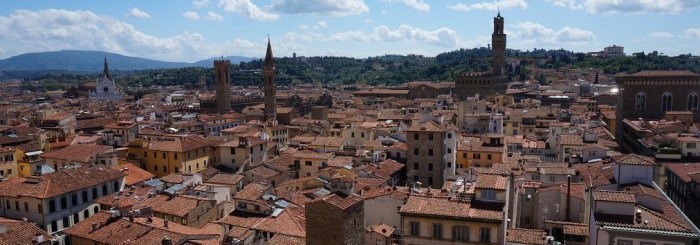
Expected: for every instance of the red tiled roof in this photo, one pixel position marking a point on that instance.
(491, 181)
(282, 239)
(60, 182)
(78, 153)
(634, 159)
(654, 221)
(134, 175)
(526, 236)
(613, 196)
(686, 172)
(20, 232)
(183, 144)
(443, 207)
(342, 202)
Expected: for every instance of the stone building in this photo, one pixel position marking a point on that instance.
(649, 94)
(431, 153)
(337, 218)
(487, 83)
(106, 89)
(270, 84)
(222, 69)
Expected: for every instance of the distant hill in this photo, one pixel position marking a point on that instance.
(91, 61)
(234, 60)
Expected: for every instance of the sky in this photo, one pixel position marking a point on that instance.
(192, 30)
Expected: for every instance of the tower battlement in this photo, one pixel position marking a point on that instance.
(222, 62)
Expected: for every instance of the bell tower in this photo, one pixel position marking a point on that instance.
(222, 78)
(498, 46)
(270, 84)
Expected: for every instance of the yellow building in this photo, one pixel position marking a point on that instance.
(310, 162)
(189, 154)
(475, 152)
(8, 162)
(27, 162)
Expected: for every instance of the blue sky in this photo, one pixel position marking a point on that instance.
(191, 30)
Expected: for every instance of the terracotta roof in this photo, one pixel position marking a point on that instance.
(78, 153)
(649, 220)
(311, 154)
(443, 207)
(634, 159)
(385, 169)
(20, 232)
(183, 144)
(570, 228)
(281, 239)
(613, 196)
(491, 181)
(428, 126)
(262, 171)
(290, 222)
(60, 182)
(341, 202)
(596, 174)
(252, 192)
(225, 179)
(663, 73)
(577, 189)
(686, 172)
(134, 175)
(526, 236)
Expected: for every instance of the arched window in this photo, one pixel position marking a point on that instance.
(693, 101)
(640, 102)
(666, 102)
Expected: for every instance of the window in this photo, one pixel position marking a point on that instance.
(74, 199)
(460, 233)
(430, 180)
(104, 190)
(352, 134)
(484, 234)
(175, 155)
(488, 156)
(85, 196)
(94, 192)
(241, 205)
(464, 155)
(362, 134)
(116, 186)
(693, 101)
(430, 152)
(437, 231)
(430, 167)
(66, 222)
(666, 102)
(414, 228)
(64, 202)
(415, 165)
(552, 179)
(26, 207)
(690, 145)
(40, 208)
(449, 150)
(155, 168)
(155, 155)
(415, 136)
(96, 209)
(415, 151)
(308, 163)
(449, 164)
(76, 218)
(624, 242)
(527, 220)
(54, 226)
(86, 214)
(449, 135)
(488, 194)
(647, 243)
(476, 156)
(640, 102)
(430, 136)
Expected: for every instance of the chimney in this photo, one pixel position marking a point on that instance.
(165, 223)
(94, 226)
(38, 238)
(166, 241)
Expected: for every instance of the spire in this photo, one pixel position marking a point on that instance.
(269, 62)
(499, 12)
(105, 71)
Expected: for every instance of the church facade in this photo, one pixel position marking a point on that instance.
(106, 89)
(487, 83)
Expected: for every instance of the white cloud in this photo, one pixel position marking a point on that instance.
(692, 33)
(322, 25)
(248, 9)
(369, 21)
(384, 12)
(661, 34)
(304, 27)
(318, 25)
(323, 7)
(443, 37)
(135, 12)
(355, 36)
(214, 16)
(55, 29)
(537, 34)
(416, 4)
(492, 6)
(629, 6)
(200, 3)
(190, 15)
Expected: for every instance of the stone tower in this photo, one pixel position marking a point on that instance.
(498, 46)
(105, 70)
(222, 78)
(270, 85)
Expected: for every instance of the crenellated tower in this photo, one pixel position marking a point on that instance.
(222, 78)
(270, 84)
(498, 46)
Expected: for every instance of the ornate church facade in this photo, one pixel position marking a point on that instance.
(106, 89)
